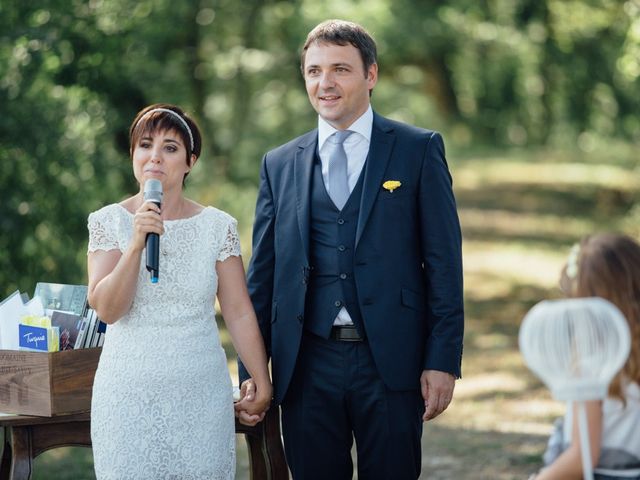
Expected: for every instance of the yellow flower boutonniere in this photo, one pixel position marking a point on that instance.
(391, 185)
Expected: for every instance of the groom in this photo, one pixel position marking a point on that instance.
(356, 274)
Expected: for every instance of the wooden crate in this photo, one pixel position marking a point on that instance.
(47, 384)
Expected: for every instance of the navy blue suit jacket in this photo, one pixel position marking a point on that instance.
(408, 262)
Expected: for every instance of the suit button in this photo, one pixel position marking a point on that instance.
(343, 276)
(337, 303)
(341, 221)
(341, 248)
(300, 318)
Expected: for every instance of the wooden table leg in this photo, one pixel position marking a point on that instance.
(5, 461)
(266, 455)
(258, 459)
(273, 446)
(21, 450)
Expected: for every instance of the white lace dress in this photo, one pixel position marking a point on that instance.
(162, 403)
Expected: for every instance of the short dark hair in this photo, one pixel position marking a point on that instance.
(146, 123)
(342, 32)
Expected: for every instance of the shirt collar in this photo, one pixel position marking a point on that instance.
(363, 125)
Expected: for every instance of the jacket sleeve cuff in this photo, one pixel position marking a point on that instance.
(444, 358)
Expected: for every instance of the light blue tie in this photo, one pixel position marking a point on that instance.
(338, 176)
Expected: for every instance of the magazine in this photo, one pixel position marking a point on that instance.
(66, 298)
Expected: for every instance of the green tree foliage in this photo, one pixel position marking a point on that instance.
(57, 151)
(516, 72)
(73, 73)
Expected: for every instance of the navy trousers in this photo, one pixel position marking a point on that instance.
(336, 395)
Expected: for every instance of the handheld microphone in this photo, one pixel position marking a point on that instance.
(153, 193)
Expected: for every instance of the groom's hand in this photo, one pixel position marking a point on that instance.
(247, 395)
(437, 391)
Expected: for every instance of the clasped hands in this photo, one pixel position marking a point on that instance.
(253, 403)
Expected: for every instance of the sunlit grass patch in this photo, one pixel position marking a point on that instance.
(622, 154)
(540, 227)
(495, 382)
(505, 172)
(510, 262)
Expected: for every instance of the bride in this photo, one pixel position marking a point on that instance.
(162, 403)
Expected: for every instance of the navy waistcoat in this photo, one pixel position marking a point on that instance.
(332, 241)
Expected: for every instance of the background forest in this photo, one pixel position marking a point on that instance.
(538, 102)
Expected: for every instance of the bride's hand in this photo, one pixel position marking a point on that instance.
(248, 419)
(146, 220)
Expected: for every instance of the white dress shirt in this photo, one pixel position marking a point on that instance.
(356, 147)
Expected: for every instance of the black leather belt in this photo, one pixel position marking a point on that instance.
(345, 333)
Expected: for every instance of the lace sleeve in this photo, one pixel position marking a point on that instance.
(102, 235)
(231, 244)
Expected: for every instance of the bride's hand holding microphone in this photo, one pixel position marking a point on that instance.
(146, 220)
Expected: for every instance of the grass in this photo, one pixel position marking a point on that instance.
(520, 212)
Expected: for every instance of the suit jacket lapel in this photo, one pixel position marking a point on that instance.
(303, 171)
(379, 154)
